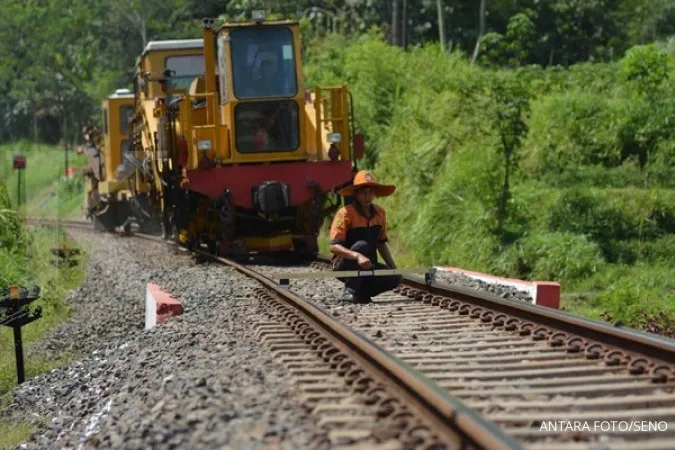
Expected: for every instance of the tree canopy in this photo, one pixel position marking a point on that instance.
(61, 57)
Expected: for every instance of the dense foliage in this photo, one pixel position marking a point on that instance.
(535, 173)
(13, 243)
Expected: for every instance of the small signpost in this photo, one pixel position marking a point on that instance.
(19, 164)
(16, 299)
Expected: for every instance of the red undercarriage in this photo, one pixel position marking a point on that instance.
(301, 177)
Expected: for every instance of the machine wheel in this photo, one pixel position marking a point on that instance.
(105, 219)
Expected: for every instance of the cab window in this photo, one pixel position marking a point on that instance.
(125, 115)
(270, 126)
(263, 63)
(184, 68)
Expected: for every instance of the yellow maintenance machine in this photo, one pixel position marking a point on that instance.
(251, 158)
(229, 151)
(106, 195)
(117, 186)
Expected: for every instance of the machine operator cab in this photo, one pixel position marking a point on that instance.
(255, 104)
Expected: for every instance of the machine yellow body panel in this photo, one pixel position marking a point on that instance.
(182, 61)
(117, 109)
(159, 56)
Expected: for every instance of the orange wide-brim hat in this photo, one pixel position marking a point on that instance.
(366, 179)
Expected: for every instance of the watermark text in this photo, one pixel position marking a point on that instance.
(606, 426)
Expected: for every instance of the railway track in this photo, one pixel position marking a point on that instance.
(448, 367)
(548, 379)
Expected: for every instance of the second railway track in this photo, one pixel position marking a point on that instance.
(531, 372)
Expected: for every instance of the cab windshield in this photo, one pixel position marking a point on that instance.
(263, 63)
(184, 69)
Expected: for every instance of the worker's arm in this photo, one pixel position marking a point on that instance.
(386, 255)
(344, 252)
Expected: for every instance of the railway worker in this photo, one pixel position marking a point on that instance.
(358, 232)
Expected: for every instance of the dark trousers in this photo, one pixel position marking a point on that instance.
(365, 286)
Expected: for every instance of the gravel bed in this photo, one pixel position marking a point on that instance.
(500, 290)
(201, 381)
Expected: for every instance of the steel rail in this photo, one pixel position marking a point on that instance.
(657, 348)
(638, 351)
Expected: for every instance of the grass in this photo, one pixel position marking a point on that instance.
(54, 283)
(640, 296)
(13, 433)
(48, 192)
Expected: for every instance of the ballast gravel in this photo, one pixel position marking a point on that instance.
(500, 290)
(200, 381)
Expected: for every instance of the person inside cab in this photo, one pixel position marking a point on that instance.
(358, 233)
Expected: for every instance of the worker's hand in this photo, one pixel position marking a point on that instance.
(364, 262)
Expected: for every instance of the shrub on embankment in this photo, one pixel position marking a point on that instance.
(26, 259)
(556, 173)
(13, 243)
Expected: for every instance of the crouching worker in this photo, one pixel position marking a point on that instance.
(358, 232)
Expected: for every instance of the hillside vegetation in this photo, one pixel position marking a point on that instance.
(561, 174)
(26, 256)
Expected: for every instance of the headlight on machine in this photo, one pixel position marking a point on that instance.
(258, 15)
(204, 145)
(334, 138)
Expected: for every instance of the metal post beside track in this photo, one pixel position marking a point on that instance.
(16, 300)
(18, 353)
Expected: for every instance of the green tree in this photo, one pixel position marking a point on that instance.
(512, 105)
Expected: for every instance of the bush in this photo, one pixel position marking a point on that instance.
(572, 129)
(657, 251)
(10, 227)
(643, 294)
(646, 66)
(605, 115)
(609, 217)
(554, 256)
(13, 244)
(589, 187)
